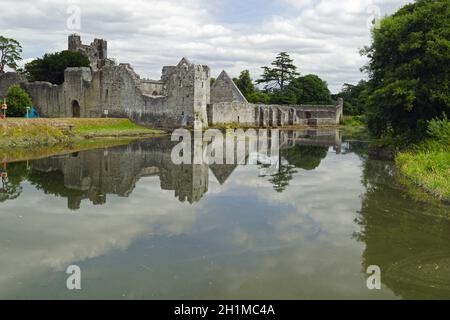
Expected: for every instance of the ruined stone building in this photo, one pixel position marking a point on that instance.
(182, 96)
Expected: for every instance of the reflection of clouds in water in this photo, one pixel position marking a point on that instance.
(309, 215)
(321, 203)
(50, 236)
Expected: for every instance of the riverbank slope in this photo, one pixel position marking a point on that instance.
(428, 166)
(28, 133)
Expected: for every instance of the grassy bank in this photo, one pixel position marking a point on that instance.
(428, 166)
(19, 132)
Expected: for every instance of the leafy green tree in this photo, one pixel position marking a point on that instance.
(18, 101)
(245, 84)
(355, 97)
(10, 53)
(259, 97)
(409, 68)
(285, 96)
(309, 89)
(51, 66)
(278, 76)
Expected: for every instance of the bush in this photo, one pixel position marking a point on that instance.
(353, 121)
(439, 129)
(18, 101)
(259, 97)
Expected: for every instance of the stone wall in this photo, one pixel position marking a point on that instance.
(274, 115)
(231, 112)
(8, 79)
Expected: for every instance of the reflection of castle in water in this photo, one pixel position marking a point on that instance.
(94, 174)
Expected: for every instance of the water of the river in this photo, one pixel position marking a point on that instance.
(139, 226)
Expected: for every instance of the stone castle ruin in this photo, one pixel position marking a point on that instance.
(182, 97)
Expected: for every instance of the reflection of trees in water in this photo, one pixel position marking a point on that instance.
(11, 187)
(407, 239)
(52, 182)
(298, 156)
(281, 179)
(305, 157)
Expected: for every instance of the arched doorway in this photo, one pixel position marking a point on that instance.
(76, 112)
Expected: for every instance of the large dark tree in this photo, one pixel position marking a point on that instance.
(409, 69)
(280, 74)
(10, 53)
(51, 66)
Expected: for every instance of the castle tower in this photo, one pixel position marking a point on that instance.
(97, 51)
(74, 42)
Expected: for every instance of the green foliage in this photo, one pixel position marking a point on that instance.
(353, 121)
(278, 76)
(309, 89)
(355, 97)
(427, 165)
(18, 101)
(10, 53)
(285, 96)
(51, 66)
(245, 84)
(259, 97)
(409, 68)
(439, 129)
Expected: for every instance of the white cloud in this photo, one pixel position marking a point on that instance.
(322, 36)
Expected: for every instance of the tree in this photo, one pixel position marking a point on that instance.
(51, 66)
(10, 53)
(18, 101)
(259, 97)
(355, 97)
(278, 96)
(278, 76)
(245, 84)
(409, 69)
(309, 89)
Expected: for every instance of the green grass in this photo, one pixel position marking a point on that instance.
(427, 165)
(111, 127)
(353, 121)
(20, 132)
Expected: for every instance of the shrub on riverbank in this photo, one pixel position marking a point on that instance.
(353, 121)
(18, 101)
(428, 163)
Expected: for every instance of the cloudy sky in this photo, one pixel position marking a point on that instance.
(323, 36)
